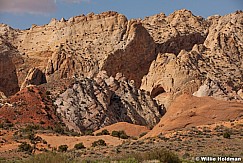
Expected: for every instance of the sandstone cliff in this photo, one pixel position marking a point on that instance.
(160, 57)
(82, 45)
(95, 103)
(216, 56)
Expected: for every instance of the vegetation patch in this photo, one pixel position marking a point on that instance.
(62, 148)
(103, 132)
(99, 142)
(120, 134)
(79, 146)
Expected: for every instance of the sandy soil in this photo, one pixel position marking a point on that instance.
(130, 129)
(56, 141)
(188, 111)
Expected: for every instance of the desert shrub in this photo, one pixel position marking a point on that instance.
(30, 128)
(128, 160)
(73, 133)
(44, 141)
(89, 132)
(123, 135)
(38, 138)
(30, 89)
(99, 142)
(59, 129)
(158, 154)
(79, 146)
(119, 134)
(48, 93)
(50, 157)
(62, 148)
(186, 155)
(7, 124)
(142, 134)
(103, 132)
(25, 147)
(31, 136)
(115, 133)
(226, 134)
(42, 122)
(133, 138)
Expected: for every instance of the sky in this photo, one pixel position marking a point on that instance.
(22, 14)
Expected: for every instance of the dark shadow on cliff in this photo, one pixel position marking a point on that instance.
(8, 75)
(133, 61)
(176, 44)
(126, 112)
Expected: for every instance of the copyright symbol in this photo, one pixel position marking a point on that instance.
(197, 159)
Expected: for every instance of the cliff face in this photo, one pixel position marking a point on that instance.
(135, 58)
(215, 58)
(84, 45)
(8, 74)
(95, 103)
(180, 30)
(165, 56)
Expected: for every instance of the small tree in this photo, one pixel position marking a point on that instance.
(226, 135)
(89, 132)
(103, 132)
(48, 93)
(62, 148)
(115, 134)
(25, 147)
(99, 142)
(59, 129)
(123, 135)
(31, 136)
(119, 134)
(142, 134)
(79, 146)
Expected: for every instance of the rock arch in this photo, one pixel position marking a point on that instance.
(157, 91)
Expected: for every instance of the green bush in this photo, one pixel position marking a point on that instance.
(59, 129)
(119, 134)
(99, 142)
(103, 132)
(48, 93)
(30, 128)
(31, 136)
(62, 148)
(42, 122)
(79, 146)
(115, 133)
(6, 124)
(123, 135)
(142, 134)
(226, 135)
(30, 89)
(44, 141)
(50, 157)
(25, 147)
(158, 154)
(89, 132)
(73, 133)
